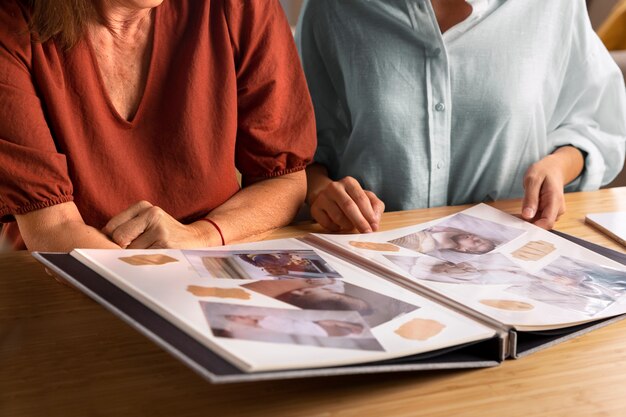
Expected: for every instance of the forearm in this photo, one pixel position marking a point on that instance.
(68, 236)
(570, 162)
(60, 228)
(258, 208)
(317, 179)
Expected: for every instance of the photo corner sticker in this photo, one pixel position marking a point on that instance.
(154, 259)
(508, 305)
(375, 246)
(534, 250)
(217, 292)
(420, 329)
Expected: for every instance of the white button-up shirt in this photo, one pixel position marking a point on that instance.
(425, 119)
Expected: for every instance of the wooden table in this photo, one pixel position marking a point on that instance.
(61, 354)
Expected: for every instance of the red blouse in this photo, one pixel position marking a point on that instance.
(225, 90)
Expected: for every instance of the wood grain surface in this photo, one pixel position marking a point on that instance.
(61, 354)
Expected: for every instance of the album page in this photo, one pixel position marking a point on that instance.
(278, 305)
(494, 264)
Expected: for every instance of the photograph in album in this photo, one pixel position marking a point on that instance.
(459, 238)
(489, 269)
(260, 264)
(337, 329)
(333, 294)
(575, 285)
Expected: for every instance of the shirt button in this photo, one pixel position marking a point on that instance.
(435, 52)
(440, 107)
(439, 164)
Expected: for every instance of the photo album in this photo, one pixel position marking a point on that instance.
(468, 290)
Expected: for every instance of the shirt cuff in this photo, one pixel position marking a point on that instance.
(594, 168)
(7, 214)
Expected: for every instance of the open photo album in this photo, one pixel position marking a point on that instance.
(467, 290)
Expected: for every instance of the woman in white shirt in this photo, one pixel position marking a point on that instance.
(424, 103)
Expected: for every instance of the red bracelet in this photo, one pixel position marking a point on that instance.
(216, 227)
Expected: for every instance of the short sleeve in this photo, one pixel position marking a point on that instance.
(33, 174)
(591, 109)
(276, 124)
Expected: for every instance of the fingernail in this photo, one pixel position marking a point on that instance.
(528, 213)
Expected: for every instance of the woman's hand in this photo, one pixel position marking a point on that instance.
(144, 226)
(342, 205)
(544, 182)
(544, 201)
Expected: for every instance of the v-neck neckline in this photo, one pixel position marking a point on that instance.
(128, 123)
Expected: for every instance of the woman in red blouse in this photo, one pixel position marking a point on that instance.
(123, 122)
